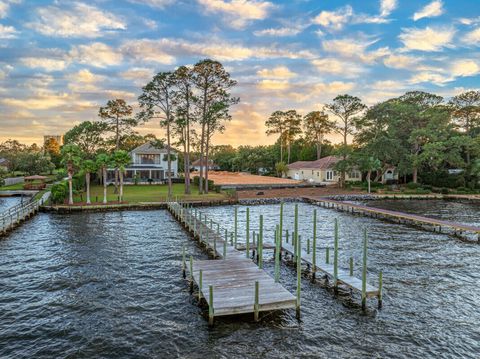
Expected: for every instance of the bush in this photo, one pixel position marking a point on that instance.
(427, 187)
(444, 190)
(196, 180)
(59, 192)
(422, 191)
(413, 185)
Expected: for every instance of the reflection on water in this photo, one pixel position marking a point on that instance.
(109, 285)
(7, 202)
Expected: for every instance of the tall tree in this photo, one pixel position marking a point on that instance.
(184, 101)
(466, 113)
(117, 114)
(276, 126)
(212, 84)
(346, 108)
(293, 122)
(51, 147)
(316, 125)
(156, 102)
(71, 157)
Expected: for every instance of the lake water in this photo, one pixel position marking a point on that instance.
(6, 202)
(109, 285)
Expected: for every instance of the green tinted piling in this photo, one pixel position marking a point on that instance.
(327, 255)
(200, 284)
(278, 248)
(351, 266)
(286, 236)
(210, 306)
(280, 230)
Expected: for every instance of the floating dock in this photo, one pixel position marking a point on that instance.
(436, 225)
(231, 284)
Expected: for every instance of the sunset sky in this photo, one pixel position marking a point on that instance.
(61, 60)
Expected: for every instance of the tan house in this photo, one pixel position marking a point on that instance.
(320, 171)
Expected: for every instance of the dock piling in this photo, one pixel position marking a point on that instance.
(256, 300)
(364, 271)
(278, 248)
(260, 244)
(247, 238)
(314, 248)
(299, 277)
(184, 265)
(335, 258)
(210, 306)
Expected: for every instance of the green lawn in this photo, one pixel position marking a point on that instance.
(146, 193)
(13, 187)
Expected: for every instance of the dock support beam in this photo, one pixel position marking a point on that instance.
(210, 306)
(255, 305)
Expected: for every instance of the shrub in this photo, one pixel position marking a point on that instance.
(427, 187)
(196, 180)
(413, 185)
(444, 190)
(59, 192)
(422, 191)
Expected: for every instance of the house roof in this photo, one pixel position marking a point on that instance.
(197, 163)
(321, 164)
(148, 149)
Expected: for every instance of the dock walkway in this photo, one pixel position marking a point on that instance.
(232, 284)
(401, 217)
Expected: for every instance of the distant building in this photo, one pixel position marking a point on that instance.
(149, 164)
(323, 171)
(58, 138)
(211, 165)
(4, 163)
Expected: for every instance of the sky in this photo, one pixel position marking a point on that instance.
(61, 60)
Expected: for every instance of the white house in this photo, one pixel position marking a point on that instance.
(149, 164)
(197, 164)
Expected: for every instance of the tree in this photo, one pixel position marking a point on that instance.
(212, 84)
(293, 122)
(184, 101)
(121, 160)
(88, 166)
(369, 164)
(71, 157)
(117, 114)
(33, 163)
(281, 169)
(103, 161)
(346, 108)
(156, 101)
(316, 126)
(276, 125)
(88, 136)
(51, 148)
(466, 113)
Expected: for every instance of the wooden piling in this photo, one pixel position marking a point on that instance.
(281, 224)
(327, 255)
(278, 248)
(225, 245)
(364, 271)
(351, 266)
(210, 306)
(256, 300)
(184, 264)
(314, 248)
(299, 276)
(260, 244)
(335, 258)
(286, 235)
(200, 284)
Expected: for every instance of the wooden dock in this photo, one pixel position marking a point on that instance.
(231, 284)
(436, 225)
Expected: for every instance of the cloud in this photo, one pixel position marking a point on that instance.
(160, 4)
(165, 51)
(279, 72)
(5, 7)
(238, 13)
(47, 64)
(334, 19)
(435, 8)
(7, 32)
(84, 81)
(79, 20)
(42, 100)
(472, 37)
(462, 68)
(279, 32)
(400, 61)
(428, 39)
(138, 75)
(335, 66)
(440, 76)
(355, 49)
(96, 54)
(273, 84)
(387, 6)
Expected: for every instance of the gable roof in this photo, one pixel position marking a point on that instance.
(321, 164)
(148, 149)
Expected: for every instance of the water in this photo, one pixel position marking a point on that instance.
(109, 285)
(7, 202)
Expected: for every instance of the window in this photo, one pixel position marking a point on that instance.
(147, 159)
(354, 175)
(330, 175)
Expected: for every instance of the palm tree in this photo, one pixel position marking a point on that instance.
(121, 159)
(103, 161)
(88, 166)
(71, 156)
(369, 164)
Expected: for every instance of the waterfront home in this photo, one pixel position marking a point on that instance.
(320, 171)
(212, 166)
(149, 165)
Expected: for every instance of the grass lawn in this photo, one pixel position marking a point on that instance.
(13, 187)
(146, 193)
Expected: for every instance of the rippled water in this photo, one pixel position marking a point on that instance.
(109, 285)
(6, 202)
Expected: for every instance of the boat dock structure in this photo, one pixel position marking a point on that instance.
(432, 224)
(233, 283)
